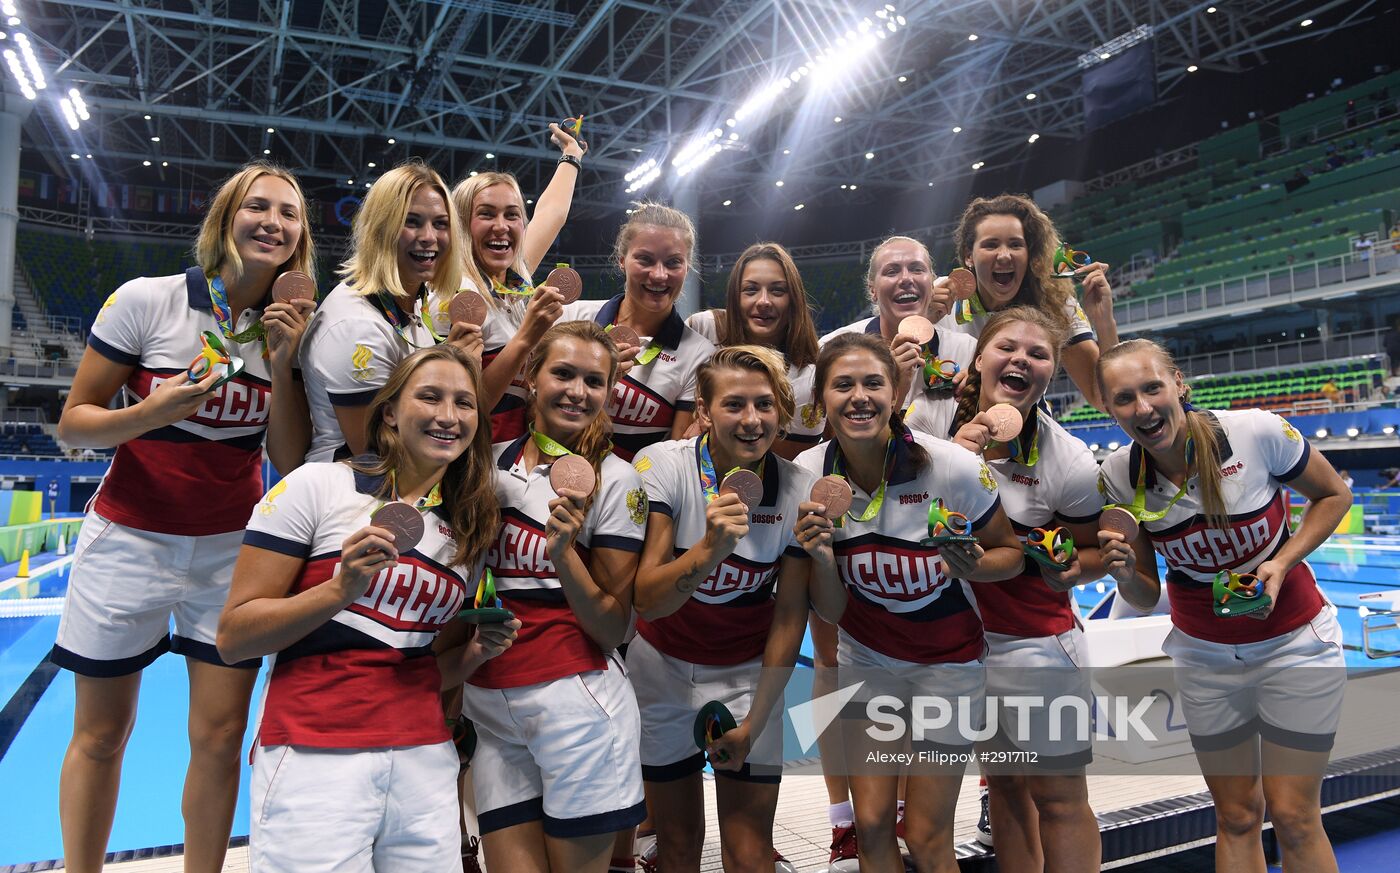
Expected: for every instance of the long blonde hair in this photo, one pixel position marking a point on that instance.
(215, 248)
(595, 442)
(468, 486)
(1203, 439)
(464, 201)
(373, 265)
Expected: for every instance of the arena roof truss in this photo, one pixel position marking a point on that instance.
(324, 85)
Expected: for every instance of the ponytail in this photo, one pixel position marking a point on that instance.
(1203, 455)
(918, 455)
(969, 398)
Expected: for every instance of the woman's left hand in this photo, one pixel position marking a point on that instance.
(492, 639)
(961, 558)
(566, 517)
(576, 148)
(468, 338)
(1063, 580)
(731, 750)
(284, 324)
(1271, 573)
(1098, 294)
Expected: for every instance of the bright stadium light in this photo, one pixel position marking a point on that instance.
(69, 114)
(8, 7)
(1388, 430)
(35, 71)
(79, 105)
(17, 70)
(642, 175)
(1353, 432)
(1033, 137)
(1322, 433)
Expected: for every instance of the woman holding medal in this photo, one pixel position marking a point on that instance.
(354, 767)
(163, 532)
(406, 260)
(506, 249)
(899, 575)
(654, 397)
(1009, 245)
(722, 597)
(766, 305)
(556, 770)
(1257, 649)
(1048, 481)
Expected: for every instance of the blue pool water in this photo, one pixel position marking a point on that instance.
(37, 720)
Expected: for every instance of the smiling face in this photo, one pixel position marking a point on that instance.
(1016, 366)
(570, 388)
(654, 267)
(742, 417)
(497, 227)
(999, 258)
(435, 414)
(1144, 396)
(426, 236)
(901, 283)
(267, 225)
(764, 301)
(858, 395)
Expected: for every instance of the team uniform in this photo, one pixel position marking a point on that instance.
(923, 404)
(909, 628)
(162, 534)
(645, 401)
(556, 719)
(1079, 328)
(808, 421)
(712, 647)
(1035, 645)
(352, 742)
(503, 320)
(347, 353)
(1282, 677)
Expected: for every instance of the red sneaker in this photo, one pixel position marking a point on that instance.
(843, 844)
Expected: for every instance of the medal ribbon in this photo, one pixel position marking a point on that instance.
(968, 308)
(223, 315)
(1138, 507)
(878, 499)
(549, 445)
(431, 499)
(389, 308)
(709, 480)
(514, 286)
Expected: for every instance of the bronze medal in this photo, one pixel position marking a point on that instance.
(293, 285)
(963, 283)
(574, 473)
(468, 307)
(834, 493)
(1121, 521)
(918, 328)
(744, 483)
(403, 521)
(622, 335)
(1005, 422)
(568, 281)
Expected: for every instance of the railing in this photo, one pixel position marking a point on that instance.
(24, 415)
(29, 368)
(1252, 292)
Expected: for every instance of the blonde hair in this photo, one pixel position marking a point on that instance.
(468, 486)
(648, 213)
(970, 395)
(880, 249)
(1203, 452)
(373, 265)
(595, 443)
(215, 248)
(464, 201)
(800, 344)
(756, 359)
(1039, 288)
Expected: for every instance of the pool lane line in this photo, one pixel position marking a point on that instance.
(21, 704)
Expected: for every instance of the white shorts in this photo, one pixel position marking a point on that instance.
(124, 587)
(1049, 671)
(563, 752)
(354, 810)
(1288, 689)
(953, 693)
(671, 692)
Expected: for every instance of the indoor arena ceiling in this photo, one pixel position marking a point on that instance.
(342, 89)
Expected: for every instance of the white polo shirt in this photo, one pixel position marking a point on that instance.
(1259, 453)
(646, 400)
(347, 354)
(902, 602)
(949, 345)
(1051, 480)
(367, 677)
(551, 644)
(202, 475)
(726, 619)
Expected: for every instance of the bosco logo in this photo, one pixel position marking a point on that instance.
(912, 499)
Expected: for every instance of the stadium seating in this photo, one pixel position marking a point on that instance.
(27, 439)
(1279, 389)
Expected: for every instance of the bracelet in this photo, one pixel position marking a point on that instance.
(570, 159)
